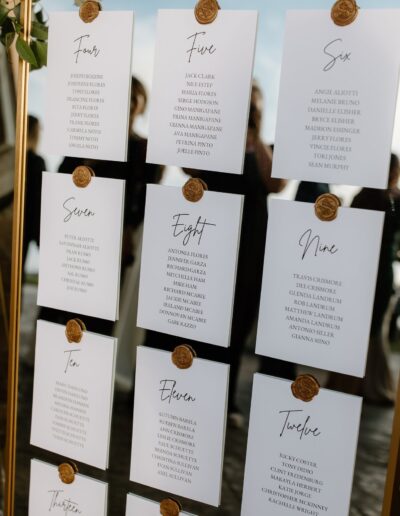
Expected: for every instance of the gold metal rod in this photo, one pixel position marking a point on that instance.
(3, 305)
(16, 270)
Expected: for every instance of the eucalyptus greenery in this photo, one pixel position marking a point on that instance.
(35, 53)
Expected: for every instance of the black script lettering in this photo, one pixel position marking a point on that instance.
(94, 51)
(65, 505)
(341, 57)
(307, 240)
(71, 362)
(71, 212)
(169, 393)
(301, 428)
(198, 48)
(189, 231)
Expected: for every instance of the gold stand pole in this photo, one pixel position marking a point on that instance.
(16, 271)
(3, 305)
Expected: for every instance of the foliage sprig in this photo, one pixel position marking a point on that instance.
(35, 53)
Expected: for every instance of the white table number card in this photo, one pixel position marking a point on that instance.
(138, 506)
(318, 286)
(89, 84)
(73, 394)
(300, 456)
(179, 426)
(80, 245)
(200, 101)
(189, 263)
(337, 98)
(48, 495)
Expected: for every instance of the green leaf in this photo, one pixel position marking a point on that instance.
(3, 14)
(25, 52)
(9, 39)
(17, 26)
(39, 31)
(39, 48)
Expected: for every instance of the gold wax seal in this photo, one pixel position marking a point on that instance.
(305, 388)
(344, 12)
(326, 207)
(67, 472)
(193, 190)
(183, 356)
(206, 11)
(89, 11)
(82, 176)
(170, 507)
(74, 331)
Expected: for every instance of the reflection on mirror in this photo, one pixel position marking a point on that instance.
(181, 341)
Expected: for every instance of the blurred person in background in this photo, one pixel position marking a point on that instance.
(378, 386)
(309, 192)
(35, 166)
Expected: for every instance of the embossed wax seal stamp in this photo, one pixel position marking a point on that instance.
(326, 207)
(344, 12)
(170, 507)
(183, 356)
(82, 176)
(67, 472)
(89, 10)
(74, 331)
(206, 11)
(305, 388)
(193, 190)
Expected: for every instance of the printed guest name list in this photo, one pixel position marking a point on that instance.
(189, 260)
(297, 461)
(337, 99)
(179, 426)
(80, 245)
(200, 103)
(319, 286)
(88, 99)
